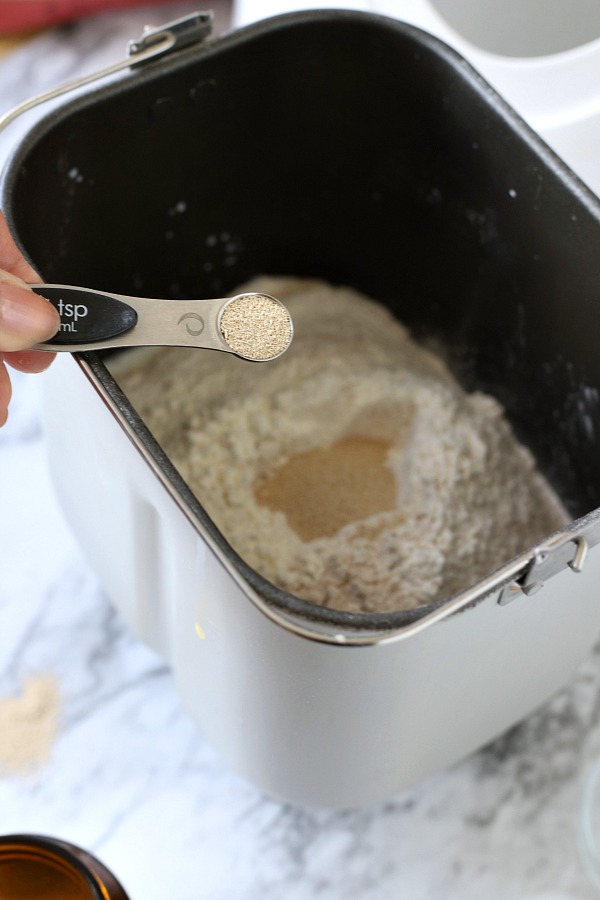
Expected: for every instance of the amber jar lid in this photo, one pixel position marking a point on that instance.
(34, 867)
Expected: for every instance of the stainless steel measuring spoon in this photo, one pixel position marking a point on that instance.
(253, 326)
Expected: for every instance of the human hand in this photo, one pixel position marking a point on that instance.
(25, 318)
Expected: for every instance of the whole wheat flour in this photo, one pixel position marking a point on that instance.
(354, 471)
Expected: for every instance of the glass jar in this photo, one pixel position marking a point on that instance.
(33, 867)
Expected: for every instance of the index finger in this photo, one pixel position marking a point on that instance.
(11, 258)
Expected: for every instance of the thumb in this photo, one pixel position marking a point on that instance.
(25, 318)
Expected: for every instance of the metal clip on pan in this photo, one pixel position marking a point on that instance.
(154, 42)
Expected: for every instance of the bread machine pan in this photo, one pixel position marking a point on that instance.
(358, 149)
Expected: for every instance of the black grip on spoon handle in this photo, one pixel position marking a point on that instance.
(86, 316)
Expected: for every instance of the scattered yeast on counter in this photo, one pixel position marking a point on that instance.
(28, 725)
(354, 471)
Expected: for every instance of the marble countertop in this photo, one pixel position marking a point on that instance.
(130, 777)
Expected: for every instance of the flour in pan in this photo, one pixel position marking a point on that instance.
(354, 471)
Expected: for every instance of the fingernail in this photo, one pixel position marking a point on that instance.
(25, 318)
